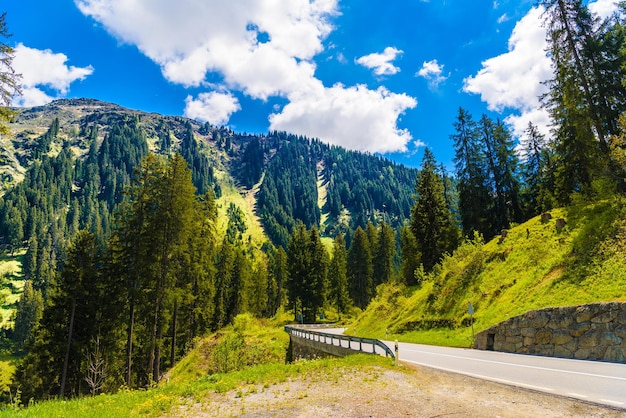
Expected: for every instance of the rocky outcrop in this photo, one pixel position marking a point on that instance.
(594, 332)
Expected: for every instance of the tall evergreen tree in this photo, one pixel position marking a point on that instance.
(9, 79)
(298, 264)
(431, 221)
(532, 170)
(586, 93)
(410, 256)
(338, 295)
(277, 280)
(316, 286)
(360, 269)
(53, 366)
(384, 253)
(502, 166)
(474, 195)
(28, 313)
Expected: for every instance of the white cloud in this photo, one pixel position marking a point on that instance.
(213, 107)
(518, 123)
(381, 63)
(603, 8)
(503, 18)
(514, 80)
(432, 71)
(262, 48)
(189, 38)
(44, 69)
(353, 117)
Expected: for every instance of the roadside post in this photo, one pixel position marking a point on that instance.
(396, 351)
(470, 310)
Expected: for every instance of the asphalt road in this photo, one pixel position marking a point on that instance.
(591, 381)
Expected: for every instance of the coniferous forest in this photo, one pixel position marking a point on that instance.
(132, 243)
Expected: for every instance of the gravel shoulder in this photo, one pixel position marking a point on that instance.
(406, 391)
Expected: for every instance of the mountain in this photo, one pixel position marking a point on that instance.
(80, 153)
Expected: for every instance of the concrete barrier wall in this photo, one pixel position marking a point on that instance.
(594, 332)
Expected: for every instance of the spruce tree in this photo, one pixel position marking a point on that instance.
(384, 253)
(410, 256)
(298, 262)
(474, 197)
(28, 313)
(338, 295)
(431, 220)
(9, 79)
(360, 269)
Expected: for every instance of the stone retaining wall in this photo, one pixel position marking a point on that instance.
(594, 332)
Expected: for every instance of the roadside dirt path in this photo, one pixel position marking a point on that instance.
(410, 391)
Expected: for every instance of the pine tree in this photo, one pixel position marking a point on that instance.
(502, 166)
(9, 79)
(223, 279)
(28, 314)
(532, 169)
(474, 198)
(53, 366)
(384, 253)
(298, 265)
(277, 280)
(410, 256)
(315, 286)
(585, 58)
(586, 94)
(338, 295)
(431, 221)
(307, 265)
(360, 269)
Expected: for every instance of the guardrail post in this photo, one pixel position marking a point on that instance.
(396, 351)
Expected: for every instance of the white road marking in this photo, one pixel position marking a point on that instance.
(612, 402)
(519, 365)
(480, 376)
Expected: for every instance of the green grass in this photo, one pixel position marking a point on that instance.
(7, 368)
(193, 380)
(164, 399)
(533, 268)
(11, 286)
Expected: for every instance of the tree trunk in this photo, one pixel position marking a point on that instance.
(582, 75)
(153, 344)
(174, 326)
(129, 344)
(67, 351)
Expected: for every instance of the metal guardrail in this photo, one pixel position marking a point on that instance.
(352, 343)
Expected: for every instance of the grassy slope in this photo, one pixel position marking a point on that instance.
(11, 285)
(584, 263)
(195, 378)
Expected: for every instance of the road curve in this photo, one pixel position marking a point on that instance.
(592, 381)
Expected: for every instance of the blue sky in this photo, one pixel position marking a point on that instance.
(382, 76)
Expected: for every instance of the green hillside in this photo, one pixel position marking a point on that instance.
(534, 267)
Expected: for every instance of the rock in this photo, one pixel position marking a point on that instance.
(560, 224)
(545, 217)
(576, 330)
(614, 354)
(544, 336)
(561, 337)
(590, 339)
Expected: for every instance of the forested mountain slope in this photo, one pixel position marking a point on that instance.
(87, 150)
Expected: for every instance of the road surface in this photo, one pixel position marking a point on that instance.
(592, 381)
